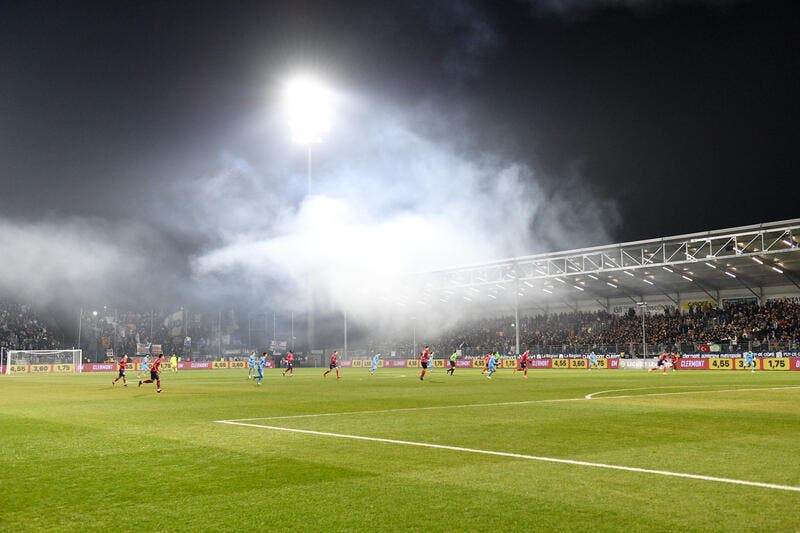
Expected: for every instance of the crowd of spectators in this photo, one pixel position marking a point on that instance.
(22, 329)
(736, 327)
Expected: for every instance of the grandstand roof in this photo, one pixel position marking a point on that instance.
(747, 258)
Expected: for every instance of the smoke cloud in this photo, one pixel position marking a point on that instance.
(391, 196)
(390, 201)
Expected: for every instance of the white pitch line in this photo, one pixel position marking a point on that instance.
(522, 456)
(498, 404)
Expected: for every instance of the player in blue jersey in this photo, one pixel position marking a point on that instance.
(492, 366)
(144, 367)
(375, 359)
(750, 361)
(260, 369)
(593, 360)
(251, 365)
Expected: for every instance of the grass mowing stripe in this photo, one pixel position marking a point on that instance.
(708, 391)
(590, 396)
(520, 456)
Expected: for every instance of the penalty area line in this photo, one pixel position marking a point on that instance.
(520, 456)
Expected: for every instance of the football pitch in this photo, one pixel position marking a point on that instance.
(564, 450)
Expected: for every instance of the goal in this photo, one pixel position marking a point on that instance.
(43, 361)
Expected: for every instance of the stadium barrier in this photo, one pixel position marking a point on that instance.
(771, 362)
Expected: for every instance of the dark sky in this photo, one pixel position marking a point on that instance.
(665, 117)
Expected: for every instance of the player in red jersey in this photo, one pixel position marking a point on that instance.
(333, 366)
(155, 376)
(673, 361)
(424, 357)
(122, 364)
(289, 364)
(523, 364)
(662, 364)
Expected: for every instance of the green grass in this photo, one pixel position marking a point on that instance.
(79, 455)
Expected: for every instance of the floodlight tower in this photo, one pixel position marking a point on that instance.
(309, 110)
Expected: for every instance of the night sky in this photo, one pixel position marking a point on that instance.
(647, 118)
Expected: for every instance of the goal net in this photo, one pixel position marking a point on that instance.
(43, 361)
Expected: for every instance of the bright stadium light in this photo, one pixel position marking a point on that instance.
(309, 108)
(778, 270)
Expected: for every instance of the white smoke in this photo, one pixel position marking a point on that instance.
(55, 260)
(389, 201)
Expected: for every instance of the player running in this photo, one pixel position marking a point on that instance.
(144, 367)
(334, 365)
(523, 364)
(673, 361)
(424, 357)
(122, 364)
(155, 375)
(375, 359)
(750, 361)
(251, 365)
(260, 368)
(661, 364)
(453, 359)
(289, 364)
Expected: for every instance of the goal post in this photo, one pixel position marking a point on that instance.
(43, 361)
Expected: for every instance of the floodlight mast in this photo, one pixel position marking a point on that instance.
(643, 306)
(309, 121)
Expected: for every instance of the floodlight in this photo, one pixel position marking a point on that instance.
(778, 270)
(309, 109)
